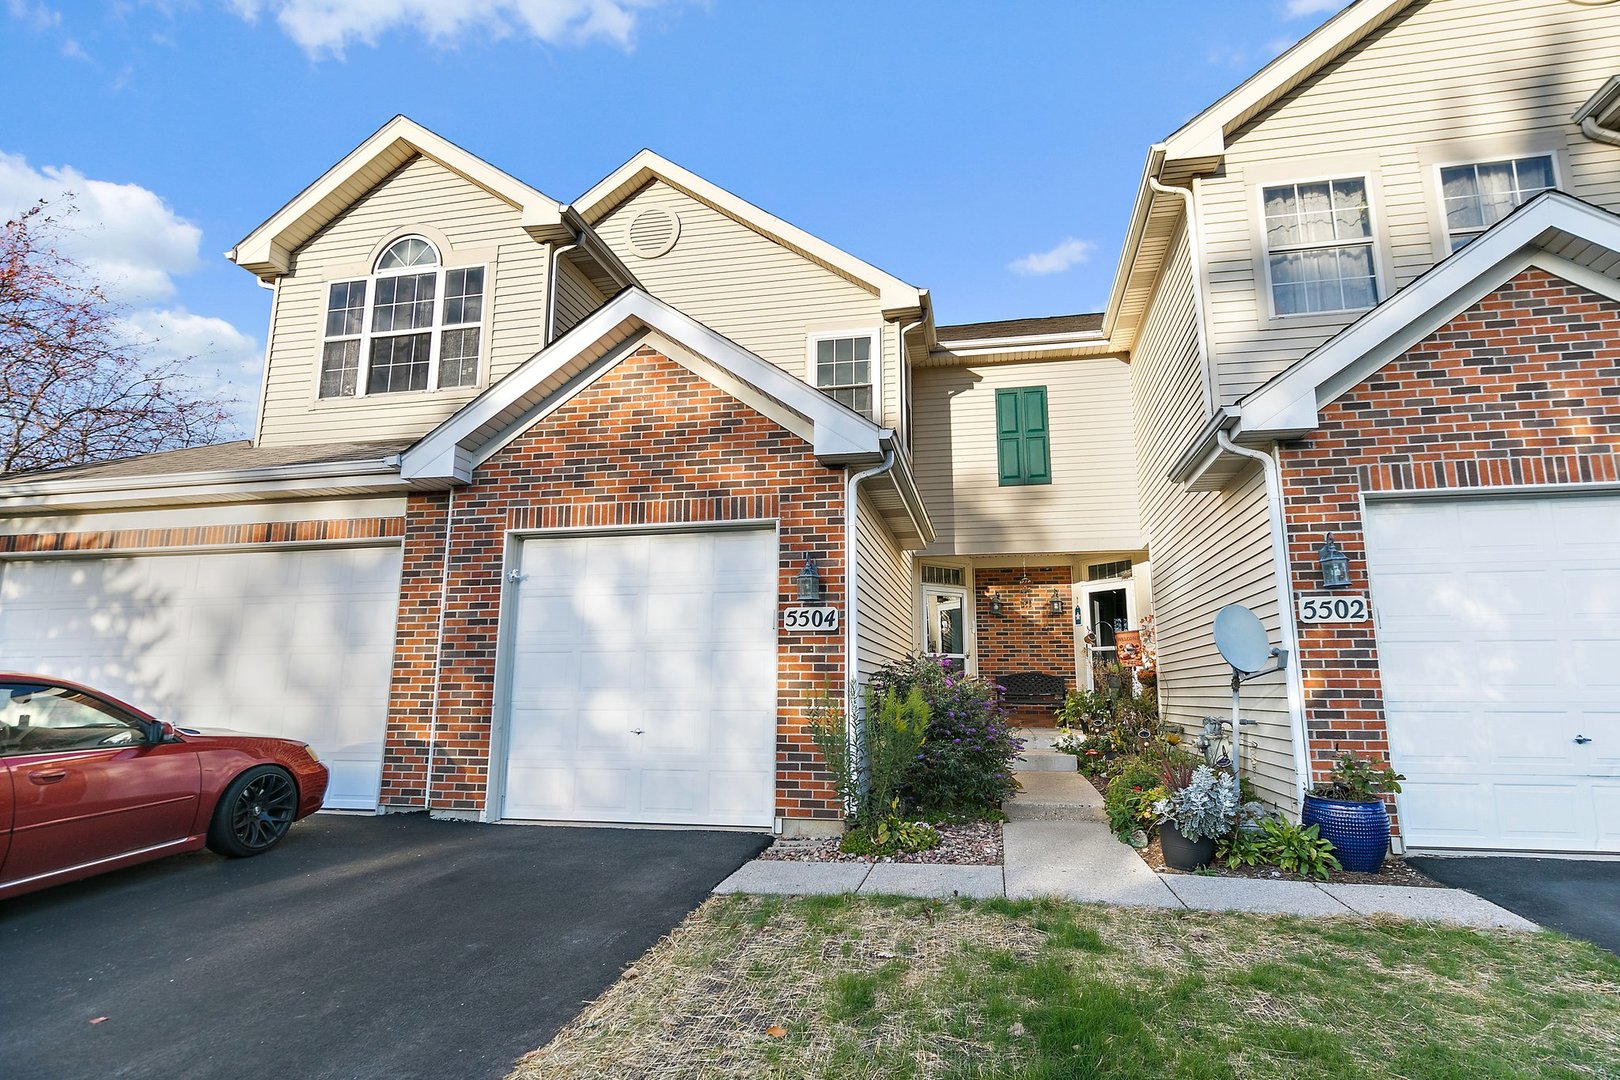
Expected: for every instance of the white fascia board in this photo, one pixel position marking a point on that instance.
(1204, 136)
(180, 488)
(1289, 403)
(263, 252)
(895, 296)
(840, 434)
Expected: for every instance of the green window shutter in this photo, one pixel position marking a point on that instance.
(1037, 440)
(1009, 438)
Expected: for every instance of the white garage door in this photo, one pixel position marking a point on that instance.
(1499, 643)
(643, 679)
(291, 643)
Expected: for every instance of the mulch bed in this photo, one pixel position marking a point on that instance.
(974, 843)
(1393, 872)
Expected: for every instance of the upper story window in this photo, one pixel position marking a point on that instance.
(412, 325)
(845, 370)
(1478, 196)
(1023, 440)
(1319, 247)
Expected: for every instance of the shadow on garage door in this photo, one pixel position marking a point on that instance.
(362, 947)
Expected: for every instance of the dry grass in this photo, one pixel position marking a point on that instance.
(889, 988)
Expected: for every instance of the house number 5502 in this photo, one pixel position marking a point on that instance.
(1334, 608)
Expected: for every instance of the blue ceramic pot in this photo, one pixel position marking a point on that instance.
(1359, 830)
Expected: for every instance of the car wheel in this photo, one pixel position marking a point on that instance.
(254, 813)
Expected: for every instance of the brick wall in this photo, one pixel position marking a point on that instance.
(1523, 388)
(1026, 636)
(647, 443)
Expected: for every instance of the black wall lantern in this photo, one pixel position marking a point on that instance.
(809, 580)
(1335, 564)
(1057, 603)
(995, 605)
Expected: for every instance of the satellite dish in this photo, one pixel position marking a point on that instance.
(1241, 638)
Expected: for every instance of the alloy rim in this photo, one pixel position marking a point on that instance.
(264, 810)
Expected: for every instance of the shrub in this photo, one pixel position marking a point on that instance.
(964, 767)
(1202, 805)
(1354, 779)
(889, 836)
(892, 731)
(1131, 795)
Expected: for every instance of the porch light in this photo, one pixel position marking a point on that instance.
(995, 605)
(809, 581)
(1335, 564)
(1057, 603)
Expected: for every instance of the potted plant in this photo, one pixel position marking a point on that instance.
(1348, 809)
(1201, 806)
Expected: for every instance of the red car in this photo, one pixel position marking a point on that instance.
(89, 783)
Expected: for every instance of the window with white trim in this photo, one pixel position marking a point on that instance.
(844, 370)
(412, 325)
(1319, 247)
(1477, 196)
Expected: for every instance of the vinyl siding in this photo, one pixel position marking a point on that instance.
(1090, 505)
(756, 292)
(1208, 549)
(886, 620)
(1448, 82)
(576, 297)
(479, 228)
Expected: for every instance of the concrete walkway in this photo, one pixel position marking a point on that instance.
(1057, 843)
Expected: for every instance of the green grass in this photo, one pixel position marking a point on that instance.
(892, 988)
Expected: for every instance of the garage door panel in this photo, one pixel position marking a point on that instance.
(1499, 638)
(297, 644)
(673, 640)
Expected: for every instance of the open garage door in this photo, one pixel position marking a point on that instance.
(297, 644)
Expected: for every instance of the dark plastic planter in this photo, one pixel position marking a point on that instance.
(1181, 853)
(1359, 830)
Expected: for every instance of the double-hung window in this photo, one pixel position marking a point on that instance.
(1319, 247)
(844, 370)
(1478, 196)
(1023, 440)
(412, 325)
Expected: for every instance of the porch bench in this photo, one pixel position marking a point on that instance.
(1032, 688)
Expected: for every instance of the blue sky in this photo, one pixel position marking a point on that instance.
(988, 152)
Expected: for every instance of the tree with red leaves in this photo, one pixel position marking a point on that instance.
(74, 387)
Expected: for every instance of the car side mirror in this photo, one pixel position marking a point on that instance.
(156, 733)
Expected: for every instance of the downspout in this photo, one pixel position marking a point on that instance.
(852, 565)
(438, 650)
(551, 291)
(904, 375)
(1195, 246)
(1285, 605)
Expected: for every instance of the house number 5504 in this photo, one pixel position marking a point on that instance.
(1334, 608)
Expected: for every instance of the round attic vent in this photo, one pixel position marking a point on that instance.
(653, 232)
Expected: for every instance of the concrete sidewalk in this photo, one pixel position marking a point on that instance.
(1081, 860)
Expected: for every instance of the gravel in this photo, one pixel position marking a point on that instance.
(976, 843)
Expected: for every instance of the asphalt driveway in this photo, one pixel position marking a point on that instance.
(362, 947)
(1581, 897)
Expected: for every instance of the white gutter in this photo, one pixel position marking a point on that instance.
(307, 471)
(852, 566)
(551, 290)
(1077, 337)
(1285, 605)
(1196, 247)
(1587, 115)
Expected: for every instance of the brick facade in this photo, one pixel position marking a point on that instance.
(1521, 389)
(1026, 636)
(647, 443)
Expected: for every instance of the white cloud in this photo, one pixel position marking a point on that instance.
(1299, 9)
(35, 16)
(327, 27)
(218, 357)
(1068, 253)
(123, 234)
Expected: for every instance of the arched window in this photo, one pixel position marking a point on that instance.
(408, 251)
(412, 325)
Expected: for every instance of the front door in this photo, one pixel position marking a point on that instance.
(945, 623)
(1102, 609)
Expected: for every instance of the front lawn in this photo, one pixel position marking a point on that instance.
(844, 987)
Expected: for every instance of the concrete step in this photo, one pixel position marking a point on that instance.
(1055, 796)
(1034, 760)
(1036, 738)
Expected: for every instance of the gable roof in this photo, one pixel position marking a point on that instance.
(553, 376)
(267, 250)
(1039, 327)
(1563, 235)
(897, 298)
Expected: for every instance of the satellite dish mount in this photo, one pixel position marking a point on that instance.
(1243, 644)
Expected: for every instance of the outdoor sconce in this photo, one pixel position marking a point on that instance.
(809, 581)
(1057, 603)
(995, 605)
(1335, 564)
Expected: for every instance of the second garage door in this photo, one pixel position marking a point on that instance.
(643, 679)
(1499, 648)
(297, 644)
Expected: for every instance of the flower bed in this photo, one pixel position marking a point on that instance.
(971, 843)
